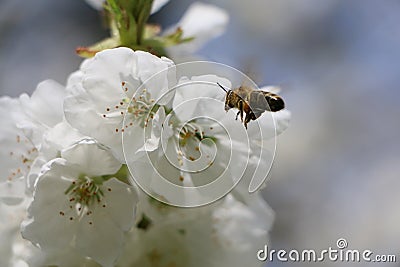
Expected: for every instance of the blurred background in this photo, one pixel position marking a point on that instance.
(337, 168)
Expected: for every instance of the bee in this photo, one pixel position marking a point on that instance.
(252, 102)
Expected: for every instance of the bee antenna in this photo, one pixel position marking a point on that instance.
(223, 88)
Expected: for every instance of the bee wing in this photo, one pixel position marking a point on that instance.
(271, 88)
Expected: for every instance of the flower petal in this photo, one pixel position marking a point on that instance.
(49, 209)
(117, 216)
(199, 96)
(201, 21)
(95, 160)
(99, 96)
(16, 152)
(157, 5)
(43, 110)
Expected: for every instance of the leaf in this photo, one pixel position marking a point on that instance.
(90, 51)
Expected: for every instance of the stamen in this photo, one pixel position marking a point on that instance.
(83, 192)
(138, 111)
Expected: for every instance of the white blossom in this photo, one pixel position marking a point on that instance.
(42, 110)
(14, 251)
(16, 154)
(25, 121)
(100, 95)
(201, 21)
(226, 233)
(78, 205)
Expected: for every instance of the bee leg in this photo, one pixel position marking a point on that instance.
(237, 115)
(247, 119)
(241, 109)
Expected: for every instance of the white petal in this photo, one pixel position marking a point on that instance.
(157, 5)
(155, 74)
(12, 193)
(61, 136)
(12, 246)
(43, 109)
(65, 257)
(95, 160)
(121, 202)
(200, 96)
(93, 105)
(240, 243)
(100, 241)
(183, 236)
(16, 152)
(282, 120)
(201, 21)
(82, 114)
(153, 141)
(104, 74)
(117, 216)
(34, 171)
(46, 226)
(46, 102)
(96, 4)
(269, 125)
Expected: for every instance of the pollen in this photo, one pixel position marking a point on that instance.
(138, 110)
(84, 192)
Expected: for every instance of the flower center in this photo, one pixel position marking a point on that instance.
(85, 191)
(190, 132)
(189, 137)
(142, 109)
(138, 111)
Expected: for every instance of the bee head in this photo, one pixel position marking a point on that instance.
(275, 103)
(229, 100)
(229, 97)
